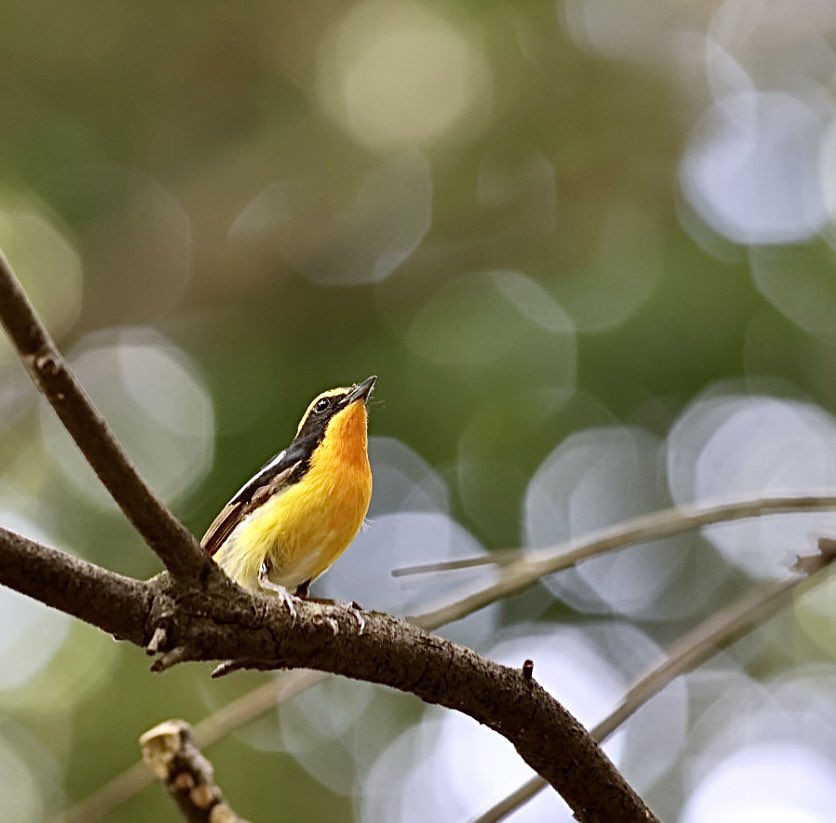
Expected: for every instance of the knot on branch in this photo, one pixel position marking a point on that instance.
(44, 362)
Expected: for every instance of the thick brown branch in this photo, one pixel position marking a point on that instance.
(687, 653)
(172, 542)
(698, 645)
(115, 604)
(224, 621)
(170, 752)
(395, 653)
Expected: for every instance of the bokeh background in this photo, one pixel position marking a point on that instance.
(587, 246)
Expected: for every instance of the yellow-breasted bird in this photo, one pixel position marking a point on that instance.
(297, 515)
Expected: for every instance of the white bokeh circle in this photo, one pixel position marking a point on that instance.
(730, 446)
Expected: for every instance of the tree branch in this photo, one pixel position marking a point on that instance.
(160, 529)
(523, 568)
(698, 645)
(394, 653)
(223, 621)
(170, 752)
(641, 529)
(115, 604)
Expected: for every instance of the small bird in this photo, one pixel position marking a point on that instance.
(297, 515)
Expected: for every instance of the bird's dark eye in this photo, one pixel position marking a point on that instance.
(321, 404)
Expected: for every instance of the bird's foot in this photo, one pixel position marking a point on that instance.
(285, 597)
(354, 608)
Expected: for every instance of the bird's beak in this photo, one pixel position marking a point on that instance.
(361, 391)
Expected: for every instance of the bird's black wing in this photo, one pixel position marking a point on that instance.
(277, 473)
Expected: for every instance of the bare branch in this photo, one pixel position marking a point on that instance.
(524, 568)
(395, 653)
(641, 529)
(225, 622)
(115, 604)
(170, 752)
(160, 529)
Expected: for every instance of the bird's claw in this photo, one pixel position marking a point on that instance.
(353, 608)
(285, 597)
(358, 615)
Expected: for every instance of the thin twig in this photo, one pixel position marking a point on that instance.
(716, 632)
(282, 687)
(641, 529)
(160, 529)
(526, 568)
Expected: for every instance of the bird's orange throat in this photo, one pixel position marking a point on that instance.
(347, 439)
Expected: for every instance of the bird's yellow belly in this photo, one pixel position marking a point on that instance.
(301, 531)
